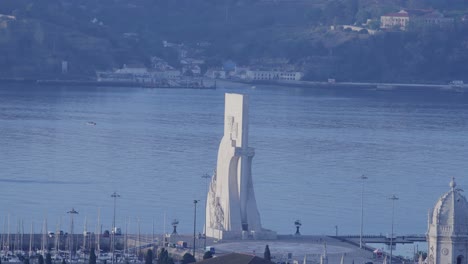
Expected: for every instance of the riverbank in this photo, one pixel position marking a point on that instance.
(356, 85)
(92, 83)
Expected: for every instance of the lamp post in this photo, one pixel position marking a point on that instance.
(363, 178)
(206, 176)
(298, 225)
(174, 224)
(393, 198)
(194, 224)
(72, 212)
(115, 196)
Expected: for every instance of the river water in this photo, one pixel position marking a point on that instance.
(153, 146)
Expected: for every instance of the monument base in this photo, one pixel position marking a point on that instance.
(263, 234)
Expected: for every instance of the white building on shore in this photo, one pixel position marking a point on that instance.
(262, 75)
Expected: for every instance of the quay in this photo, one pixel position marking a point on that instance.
(371, 86)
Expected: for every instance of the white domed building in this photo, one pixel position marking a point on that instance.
(447, 233)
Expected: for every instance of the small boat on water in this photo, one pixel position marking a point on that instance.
(91, 123)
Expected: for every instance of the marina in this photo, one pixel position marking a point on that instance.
(132, 248)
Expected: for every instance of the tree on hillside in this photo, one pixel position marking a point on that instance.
(188, 258)
(48, 258)
(170, 261)
(92, 257)
(208, 255)
(40, 260)
(163, 256)
(149, 257)
(267, 254)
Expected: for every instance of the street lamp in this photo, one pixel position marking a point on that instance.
(194, 224)
(362, 209)
(115, 196)
(298, 225)
(72, 212)
(206, 176)
(174, 224)
(393, 198)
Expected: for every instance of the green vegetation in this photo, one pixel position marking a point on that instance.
(48, 259)
(188, 258)
(267, 254)
(100, 35)
(92, 256)
(149, 257)
(207, 255)
(164, 258)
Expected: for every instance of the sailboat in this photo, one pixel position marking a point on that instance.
(57, 238)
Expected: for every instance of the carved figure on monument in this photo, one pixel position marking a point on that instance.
(232, 209)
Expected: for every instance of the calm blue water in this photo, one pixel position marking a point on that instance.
(153, 145)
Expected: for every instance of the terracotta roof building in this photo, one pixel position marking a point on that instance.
(402, 19)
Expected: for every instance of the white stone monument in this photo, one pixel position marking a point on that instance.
(447, 233)
(231, 209)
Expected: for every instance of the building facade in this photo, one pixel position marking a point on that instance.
(258, 75)
(447, 233)
(414, 17)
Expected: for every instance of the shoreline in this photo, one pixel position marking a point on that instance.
(228, 83)
(369, 86)
(93, 83)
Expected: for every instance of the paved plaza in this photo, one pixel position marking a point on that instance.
(292, 248)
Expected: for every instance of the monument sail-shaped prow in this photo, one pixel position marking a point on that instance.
(231, 207)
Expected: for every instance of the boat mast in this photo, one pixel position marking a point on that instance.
(18, 234)
(139, 241)
(3, 235)
(57, 238)
(22, 235)
(8, 235)
(126, 238)
(31, 238)
(85, 234)
(98, 231)
(44, 236)
(164, 230)
(15, 238)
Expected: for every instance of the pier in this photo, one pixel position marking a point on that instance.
(381, 239)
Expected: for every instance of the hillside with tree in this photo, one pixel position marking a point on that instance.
(37, 35)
